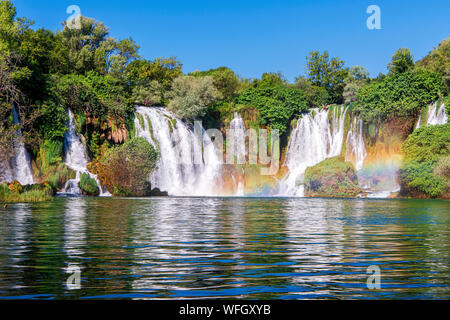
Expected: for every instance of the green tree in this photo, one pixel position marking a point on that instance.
(315, 95)
(224, 79)
(147, 94)
(277, 105)
(402, 61)
(357, 77)
(163, 70)
(191, 96)
(438, 61)
(327, 73)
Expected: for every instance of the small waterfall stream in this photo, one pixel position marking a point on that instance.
(315, 139)
(76, 159)
(434, 115)
(21, 162)
(355, 147)
(183, 169)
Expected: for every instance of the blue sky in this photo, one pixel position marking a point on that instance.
(253, 37)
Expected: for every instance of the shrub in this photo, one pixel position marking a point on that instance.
(425, 170)
(125, 169)
(418, 176)
(88, 185)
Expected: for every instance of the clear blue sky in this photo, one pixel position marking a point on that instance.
(252, 37)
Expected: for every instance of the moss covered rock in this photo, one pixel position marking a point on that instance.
(332, 177)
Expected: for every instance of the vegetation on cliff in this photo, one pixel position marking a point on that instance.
(332, 177)
(425, 170)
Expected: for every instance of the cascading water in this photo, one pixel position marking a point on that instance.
(355, 147)
(237, 131)
(76, 159)
(183, 169)
(21, 163)
(313, 140)
(436, 118)
(434, 115)
(236, 136)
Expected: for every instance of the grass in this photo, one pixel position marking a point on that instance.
(6, 196)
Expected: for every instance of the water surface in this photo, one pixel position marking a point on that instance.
(250, 248)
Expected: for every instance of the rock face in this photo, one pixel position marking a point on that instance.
(158, 193)
(332, 177)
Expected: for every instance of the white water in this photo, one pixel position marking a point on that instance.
(436, 118)
(236, 137)
(434, 115)
(183, 169)
(419, 121)
(76, 159)
(21, 162)
(313, 140)
(355, 147)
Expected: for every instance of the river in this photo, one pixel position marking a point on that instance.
(243, 248)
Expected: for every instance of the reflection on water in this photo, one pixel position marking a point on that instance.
(261, 248)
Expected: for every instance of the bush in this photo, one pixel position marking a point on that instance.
(418, 176)
(425, 170)
(88, 185)
(428, 143)
(332, 177)
(125, 169)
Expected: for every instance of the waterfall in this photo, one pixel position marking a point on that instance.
(21, 162)
(76, 159)
(237, 134)
(183, 169)
(436, 118)
(418, 122)
(355, 147)
(313, 140)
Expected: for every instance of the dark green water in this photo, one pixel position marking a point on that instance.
(257, 248)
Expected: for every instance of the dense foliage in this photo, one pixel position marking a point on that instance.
(125, 169)
(438, 61)
(425, 170)
(191, 96)
(400, 94)
(276, 104)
